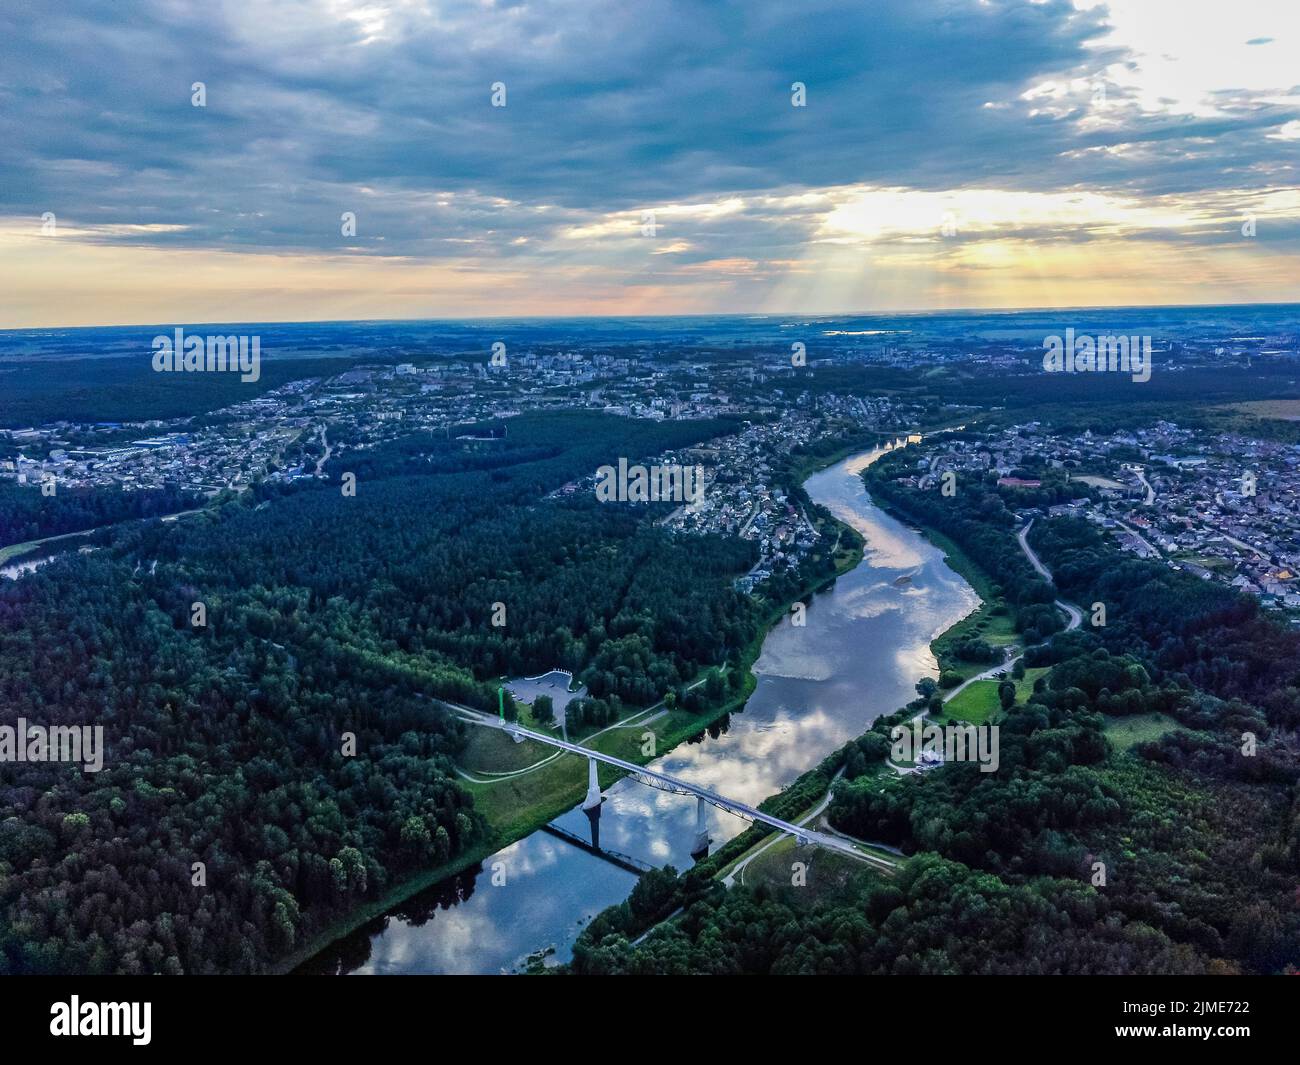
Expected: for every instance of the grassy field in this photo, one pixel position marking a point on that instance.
(516, 806)
(995, 629)
(1210, 562)
(490, 751)
(1126, 732)
(1097, 482)
(978, 704)
(1287, 410)
(1025, 685)
(668, 730)
(825, 873)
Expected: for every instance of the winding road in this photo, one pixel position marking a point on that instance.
(1075, 614)
(1071, 611)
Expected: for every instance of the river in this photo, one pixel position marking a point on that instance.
(864, 645)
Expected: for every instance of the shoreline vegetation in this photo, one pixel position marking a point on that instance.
(808, 789)
(811, 791)
(562, 781)
(990, 599)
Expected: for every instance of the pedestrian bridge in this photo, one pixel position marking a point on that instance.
(667, 782)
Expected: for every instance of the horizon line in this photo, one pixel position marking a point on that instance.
(955, 312)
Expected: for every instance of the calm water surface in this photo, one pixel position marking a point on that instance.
(859, 655)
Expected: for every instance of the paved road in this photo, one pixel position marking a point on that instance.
(1152, 550)
(988, 674)
(1034, 560)
(329, 450)
(1072, 612)
(1075, 614)
(1243, 545)
(1151, 492)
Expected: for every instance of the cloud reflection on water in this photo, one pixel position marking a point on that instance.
(863, 647)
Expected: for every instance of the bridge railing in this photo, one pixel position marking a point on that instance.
(676, 784)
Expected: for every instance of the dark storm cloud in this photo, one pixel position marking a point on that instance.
(611, 107)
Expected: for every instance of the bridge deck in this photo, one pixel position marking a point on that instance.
(685, 787)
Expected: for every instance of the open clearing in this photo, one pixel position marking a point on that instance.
(1126, 732)
(824, 873)
(1287, 410)
(978, 704)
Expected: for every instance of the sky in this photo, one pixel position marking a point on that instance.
(649, 157)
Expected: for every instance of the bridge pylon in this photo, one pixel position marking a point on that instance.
(593, 786)
(701, 847)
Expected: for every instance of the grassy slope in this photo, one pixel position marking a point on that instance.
(826, 875)
(1126, 732)
(978, 704)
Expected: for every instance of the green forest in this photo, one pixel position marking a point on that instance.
(1197, 832)
(26, 514)
(288, 745)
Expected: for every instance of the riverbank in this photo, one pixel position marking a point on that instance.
(754, 851)
(35, 548)
(520, 804)
(16, 554)
(991, 621)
